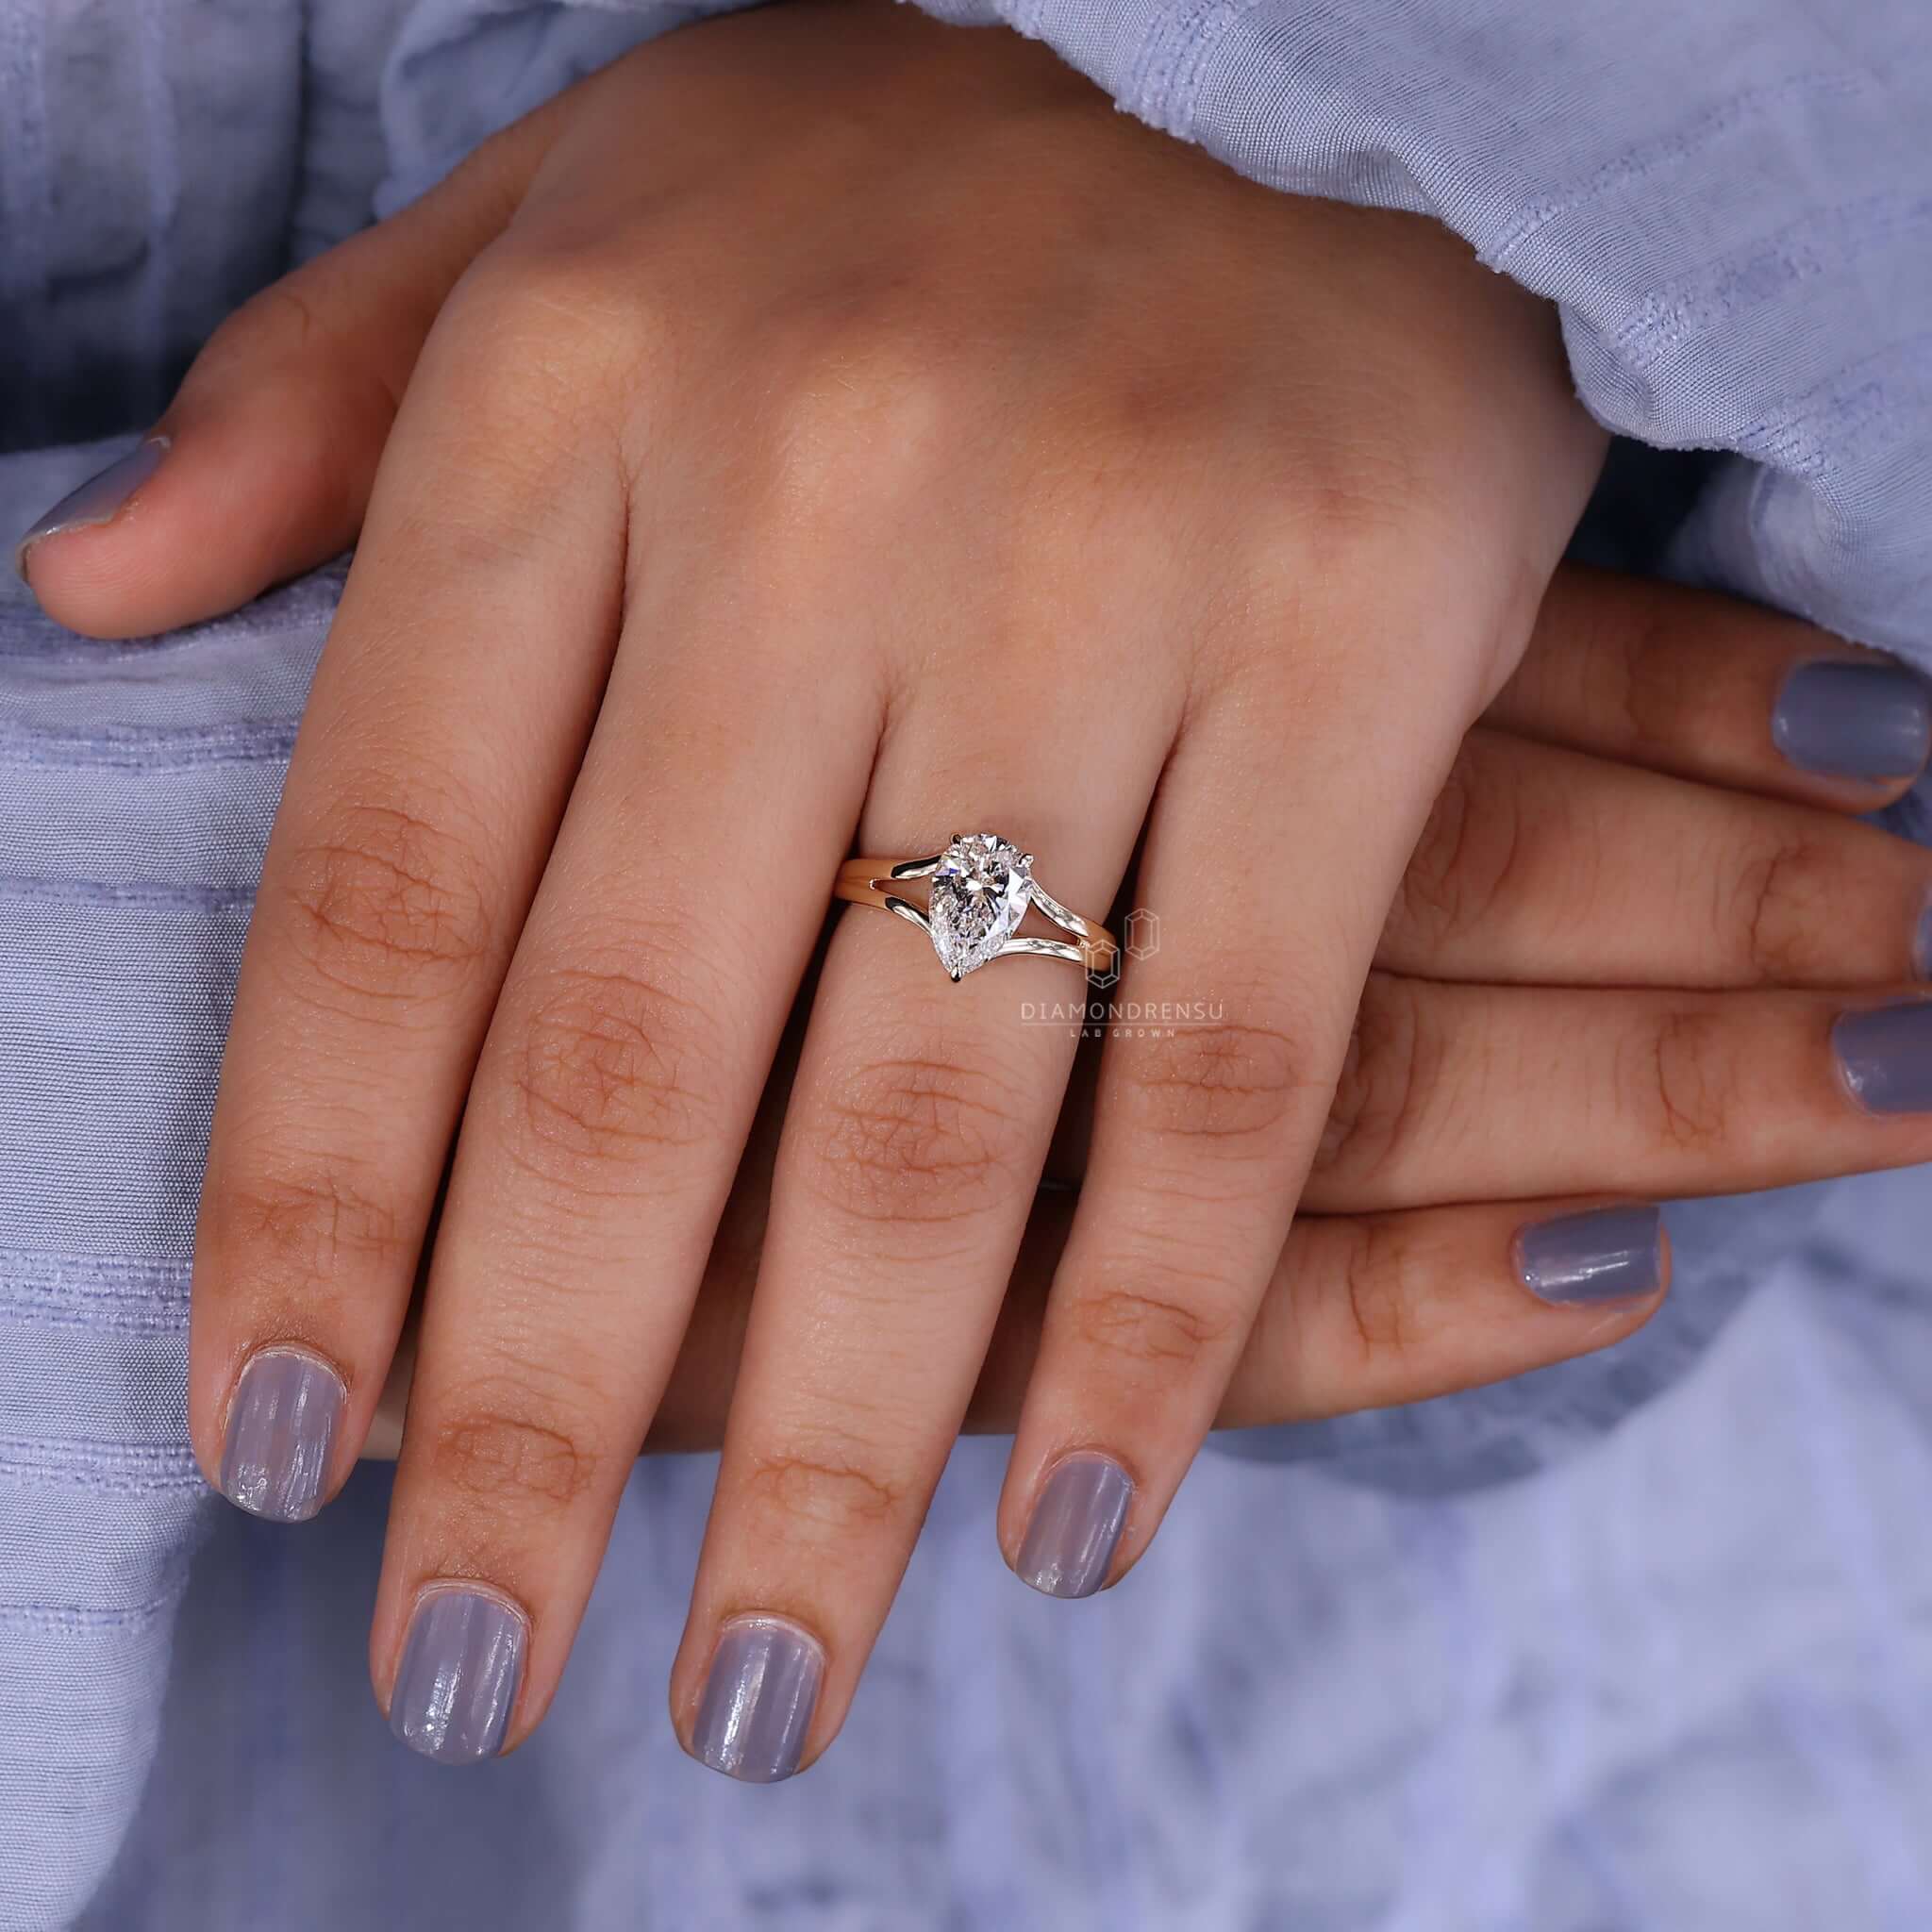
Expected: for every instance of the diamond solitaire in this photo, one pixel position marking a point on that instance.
(979, 895)
(981, 888)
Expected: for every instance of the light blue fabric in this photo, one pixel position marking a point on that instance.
(1674, 1681)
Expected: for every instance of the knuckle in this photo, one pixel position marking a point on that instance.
(304, 320)
(278, 324)
(1469, 852)
(1776, 910)
(611, 1064)
(1356, 497)
(1679, 1080)
(503, 1443)
(1646, 676)
(1394, 1061)
(385, 903)
(520, 298)
(586, 341)
(1171, 1320)
(920, 1138)
(321, 1223)
(1227, 1085)
(826, 1483)
(1380, 1293)
(864, 408)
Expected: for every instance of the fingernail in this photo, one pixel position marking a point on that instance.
(1845, 718)
(1885, 1054)
(1077, 1523)
(98, 499)
(1603, 1255)
(758, 1699)
(459, 1675)
(281, 1427)
(1922, 944)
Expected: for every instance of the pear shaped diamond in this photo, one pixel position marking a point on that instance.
(979, 895)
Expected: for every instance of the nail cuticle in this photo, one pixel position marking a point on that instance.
(469, 1586)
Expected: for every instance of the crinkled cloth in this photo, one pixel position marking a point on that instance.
(1672, 1680)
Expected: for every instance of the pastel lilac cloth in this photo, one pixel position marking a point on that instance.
(1675, 1680)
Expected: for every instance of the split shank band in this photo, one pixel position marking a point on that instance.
(981, 887)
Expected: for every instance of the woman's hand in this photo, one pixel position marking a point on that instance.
(1537, 928)
(835, 421)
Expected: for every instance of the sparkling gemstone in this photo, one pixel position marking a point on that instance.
(979, 896)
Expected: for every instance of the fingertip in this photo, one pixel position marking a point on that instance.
(64, 547)
(1862, 722)
(220, 508)
(1604, 1257)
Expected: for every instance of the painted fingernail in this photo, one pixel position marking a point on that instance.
(1602, 1254)
(1076, 1524)
(1922, 944)
(459, 1675)
(758, 1699)
(98, 500)
(1847, 718)
(1885, 1054)
(281, 1427)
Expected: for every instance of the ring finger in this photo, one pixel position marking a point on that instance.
(917, 1128)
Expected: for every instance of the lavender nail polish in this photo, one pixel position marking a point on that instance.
(1885, 1054)
(461, 1668)
(281, 1427)
(758, 1699)
(1602, 1254)
(98, 499)
(1850, 718)
(1076, 1524)
(1922, 944)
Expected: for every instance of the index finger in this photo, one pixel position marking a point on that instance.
(445, 723)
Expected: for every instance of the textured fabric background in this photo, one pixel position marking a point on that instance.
(1678, 1680)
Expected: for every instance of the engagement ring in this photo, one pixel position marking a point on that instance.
(981, 888)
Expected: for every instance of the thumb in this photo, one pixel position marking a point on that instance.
(262, 466)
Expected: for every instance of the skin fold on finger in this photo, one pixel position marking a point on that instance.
(263, 465)
(1546, 866)
(1360, 1312)
(1473, 1094)
(1712, 687)
(1355, 1281)
(441, 739)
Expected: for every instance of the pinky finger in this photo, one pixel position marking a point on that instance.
(1365, 1311)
